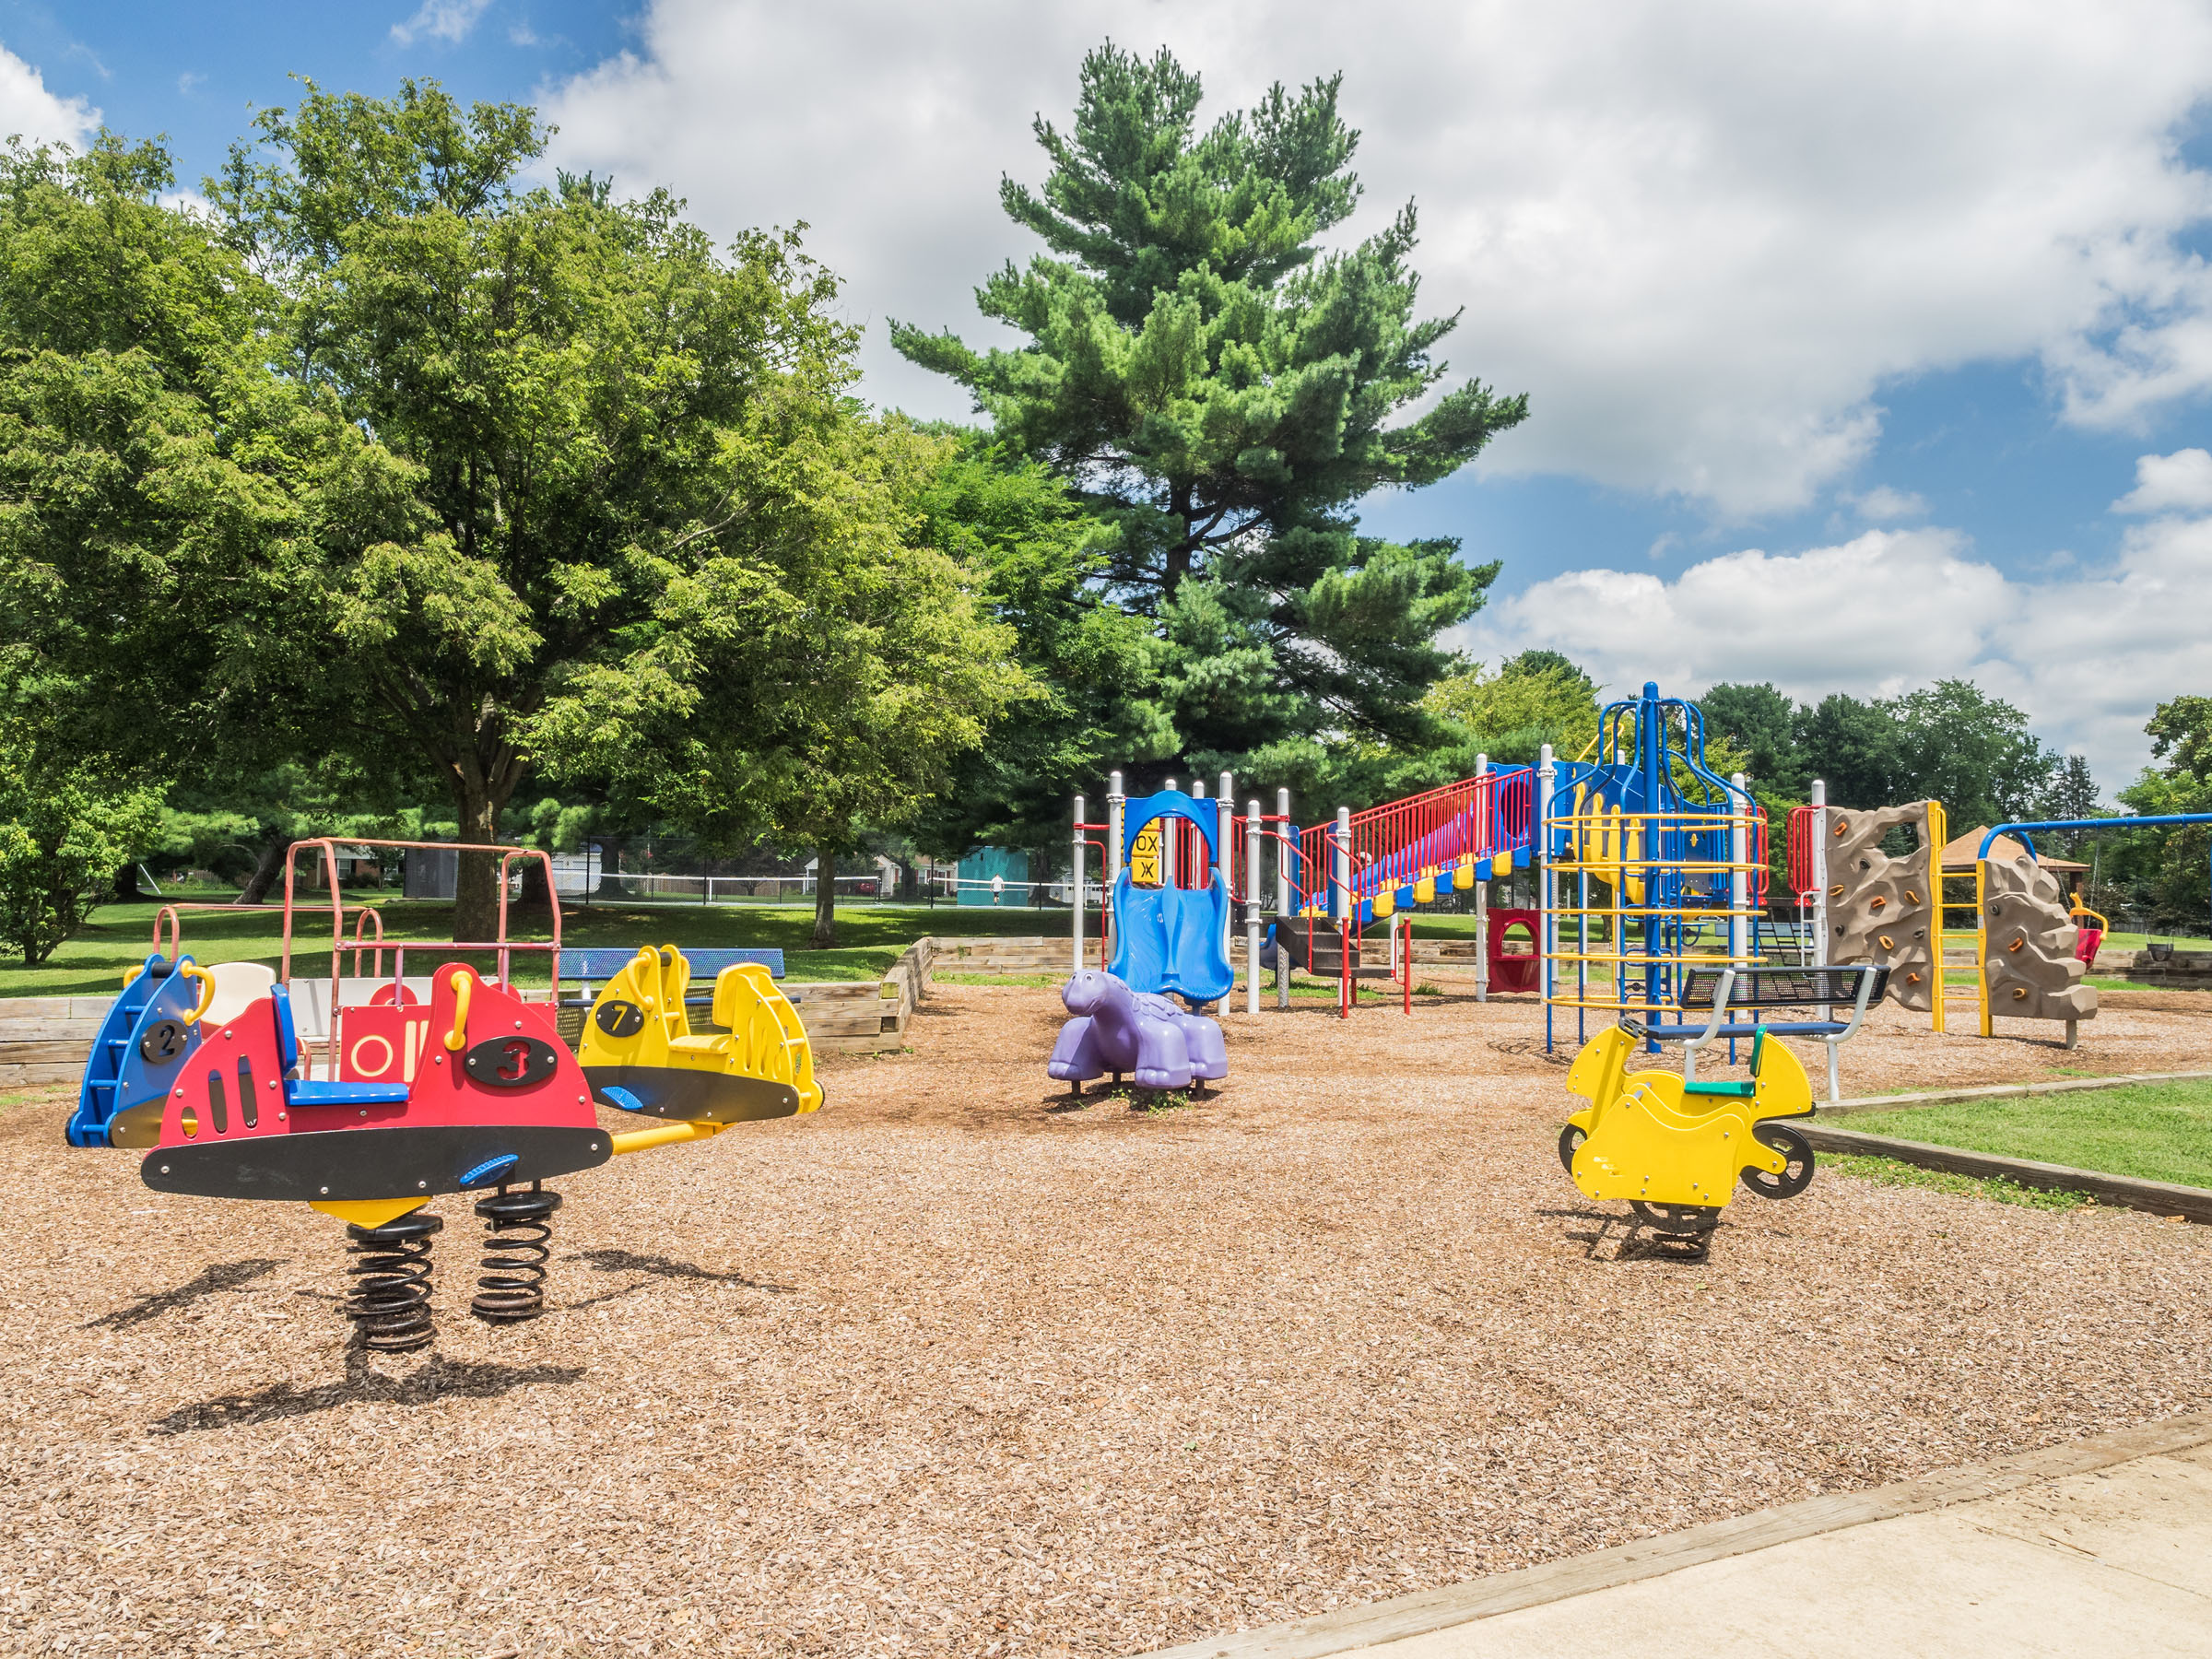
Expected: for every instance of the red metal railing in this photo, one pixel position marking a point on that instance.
(503, 945)
(1801, 848)
(1395, 844)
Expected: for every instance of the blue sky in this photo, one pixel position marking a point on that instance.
(1843, 337)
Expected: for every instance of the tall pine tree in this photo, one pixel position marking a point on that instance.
(1221, 391)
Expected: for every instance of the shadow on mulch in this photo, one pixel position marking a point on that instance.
(659, 1267)
(1531, 1048)
(438, 1379)
(1631, 1240)
(1134, 1096)
(212, 1281)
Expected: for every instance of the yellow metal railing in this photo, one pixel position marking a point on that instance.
(1608, 847)
(1940, 837)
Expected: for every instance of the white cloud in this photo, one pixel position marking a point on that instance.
(28, 110)
(2086, 654)
(440, 20)
(2180, 482)
(1883, 505)
(1703, 239)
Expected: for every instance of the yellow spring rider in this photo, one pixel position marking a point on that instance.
(639, 1052)
(1673, 1148)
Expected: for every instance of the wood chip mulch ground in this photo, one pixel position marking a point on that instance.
(959, 1366)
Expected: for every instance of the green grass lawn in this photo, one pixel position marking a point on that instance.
(871, 936)
(2135, 941)
(2154, 1131)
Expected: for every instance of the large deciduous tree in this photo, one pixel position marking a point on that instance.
(1971, 751)
(578, 404)
(63, 831)
(148, 470)
(398, 460)
(818, 678)
(2168, 867)
(1219, 390)
(1536, 698)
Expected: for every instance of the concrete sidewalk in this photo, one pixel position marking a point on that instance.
(2100, 1547)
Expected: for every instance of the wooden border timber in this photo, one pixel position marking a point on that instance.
(1425, 1611)
(2003, 1091)
(2157, 1197)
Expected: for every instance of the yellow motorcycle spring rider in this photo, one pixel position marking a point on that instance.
(1675, 1147)
(640, 1053)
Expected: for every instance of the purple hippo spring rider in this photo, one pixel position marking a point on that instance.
(1121, 1031)
(1168, 939)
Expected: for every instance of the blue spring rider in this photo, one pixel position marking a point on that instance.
(141, 1048)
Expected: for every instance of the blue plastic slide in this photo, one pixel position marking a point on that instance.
(1169, 940)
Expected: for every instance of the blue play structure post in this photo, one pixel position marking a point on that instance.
(1665, 834)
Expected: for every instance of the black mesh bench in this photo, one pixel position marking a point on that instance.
(1727, 994)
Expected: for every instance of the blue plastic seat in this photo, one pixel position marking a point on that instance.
(302, 1091)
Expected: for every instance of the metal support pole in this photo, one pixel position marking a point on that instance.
(1482, 888)
(1822, 954)
(1340, 867)
(1223, 831)
(1405, 928)
(1076, 886)
(1171, 845)
(1546, 922)
(1282, 900)
(1252, 906)
(1117, 804)
(1340, 902)
(1739, 877)
(1184, 841)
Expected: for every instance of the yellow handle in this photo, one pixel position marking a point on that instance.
(665, 1135)
(206, 991)
(464, 986)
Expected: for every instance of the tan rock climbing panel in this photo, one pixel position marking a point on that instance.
(2029, 968)
(1877, 905)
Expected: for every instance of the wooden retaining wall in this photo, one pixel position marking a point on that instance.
(47, 1038)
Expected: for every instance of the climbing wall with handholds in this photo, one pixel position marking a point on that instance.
(1882, 909)
(2030, 971)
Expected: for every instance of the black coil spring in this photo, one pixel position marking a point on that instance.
(517, 1226)
(390, 1305)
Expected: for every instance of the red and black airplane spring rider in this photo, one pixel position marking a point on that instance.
(489, 1101)
(446, 1084)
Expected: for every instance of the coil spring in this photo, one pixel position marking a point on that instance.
(516, 1227)
(390, 1305)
